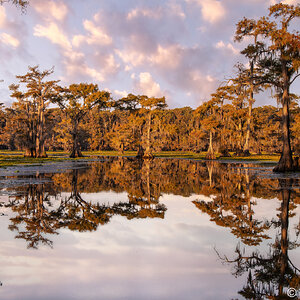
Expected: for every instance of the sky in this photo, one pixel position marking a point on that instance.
(180, 49)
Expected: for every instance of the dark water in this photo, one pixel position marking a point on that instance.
(162, 229)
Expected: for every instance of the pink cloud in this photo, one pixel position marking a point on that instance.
(9, 40)
(146, 85)
(51, 10)
(212, 10)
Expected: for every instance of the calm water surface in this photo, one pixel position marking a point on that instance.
(163, 229)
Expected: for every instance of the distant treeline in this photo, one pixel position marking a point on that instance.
(180, 129)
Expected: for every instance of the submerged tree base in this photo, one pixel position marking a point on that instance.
(224, 153)
(286, 164)
(30, 153)
(42, 156)
(33, 155)
(75, 156)
(246, 153)
(239, 153)
(210, 156)
(140, 153)
(297, 163)
(148, 155)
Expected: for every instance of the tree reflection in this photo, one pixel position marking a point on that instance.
(146, 197)
(32, 211)
(42, 210)
(231, 205)
(228, 191)
(78, 214)
(269, 276)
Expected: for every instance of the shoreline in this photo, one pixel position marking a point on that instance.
(13, 158)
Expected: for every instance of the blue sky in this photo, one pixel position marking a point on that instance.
(182, 49)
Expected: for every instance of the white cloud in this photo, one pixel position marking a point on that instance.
(121, 94)
(204, 84)
(93, 73)
(9, 40)
(74, 61)
(210, 78)
(145, 12)
(165, 57)
(176, 10)
(56, 10)
(132, 56)
(54, 34)
(111, 63)
(220, 45)
(228, 46)
(78, 40)
(127, 68)
(2, 16)
(147, 86)
(183, 67)
(96, 35)
(76, 67)
(171, 9)
(168, 57)
(74, 55)
(108, 64)
(82, 70)
(212, 10)
(290, 2)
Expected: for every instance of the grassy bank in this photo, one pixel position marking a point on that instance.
(10, 158)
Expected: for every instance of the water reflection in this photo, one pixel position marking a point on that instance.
(41, 209)
(31, 210)
(271, 275)
(228, 194)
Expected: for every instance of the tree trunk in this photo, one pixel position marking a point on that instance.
(148, 153)
(140, 153)
(285, 163)
(29, 152)
(76, 152)
(30, 147)
(210, 153)
(239, 151)
(246, 151)
(251, 101)
(223, 149)
(122, 147)
(40, 139)
(148, 133)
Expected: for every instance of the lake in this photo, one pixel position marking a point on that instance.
(119, 228)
